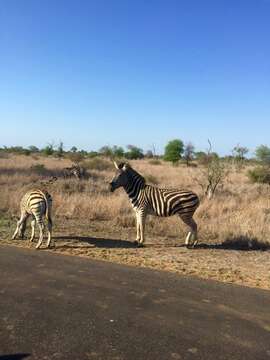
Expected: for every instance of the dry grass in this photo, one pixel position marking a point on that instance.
(239, 209)
(237, 218)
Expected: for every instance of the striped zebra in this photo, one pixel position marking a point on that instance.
(147, 199)
(38, 204)
(75, 170)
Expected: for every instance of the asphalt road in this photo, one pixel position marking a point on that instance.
(61, 307)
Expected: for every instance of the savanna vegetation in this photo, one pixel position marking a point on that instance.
(234, 213)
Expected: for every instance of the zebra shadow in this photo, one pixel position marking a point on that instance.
(241, 243)
(90, 242)
(14, 356)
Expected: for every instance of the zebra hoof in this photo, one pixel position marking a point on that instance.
(191, 246)
(140, 245)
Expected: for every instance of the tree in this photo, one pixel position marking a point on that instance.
(213, 172)
(174, 150)
(201, 157)
(239, 153)
(262, 153)
(134, 152)
(73, 149)
(189, 153)
(83, 152)
(216, 171)
(33, 149)
(118, 151)
(149, 154)
(106, 151)
(60, 149)
(48, 150)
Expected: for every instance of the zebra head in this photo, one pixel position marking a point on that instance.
(121, 176)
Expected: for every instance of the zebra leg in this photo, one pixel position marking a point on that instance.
(141, 220)
(33, 224)
(20, 224)
(41, 230)
(49, 232)
(191, 238)
(138, 238)
(140, 224)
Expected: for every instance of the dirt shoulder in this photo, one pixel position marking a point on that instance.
(208, 261)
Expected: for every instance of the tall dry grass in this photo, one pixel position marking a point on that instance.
(239, 210)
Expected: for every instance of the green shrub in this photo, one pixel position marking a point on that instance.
(48, 150)
(92, 154)
(134, 153)
(260, 174)
(262, 153)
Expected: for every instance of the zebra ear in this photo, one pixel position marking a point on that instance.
(115, 164)
(125, 166)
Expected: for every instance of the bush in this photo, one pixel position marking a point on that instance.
(92, 154)
(97, 164)
(4, 155)
(48, 150)
(39, 169)
(262, 153)
(75, 157)
(134, 153)
(73, 187)
(154, 162)
(260, 174)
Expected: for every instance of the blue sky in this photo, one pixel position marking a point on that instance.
(96, 72)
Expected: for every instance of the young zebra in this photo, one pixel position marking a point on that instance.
(37, 203)
(75, 170)
(147, 199)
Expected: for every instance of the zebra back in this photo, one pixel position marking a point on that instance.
(159, 201)
(37, 202)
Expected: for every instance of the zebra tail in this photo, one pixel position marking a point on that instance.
(47, 206)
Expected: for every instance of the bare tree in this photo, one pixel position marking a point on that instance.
(154, 150)
(213, 173)
(189, 153)
(239, 153)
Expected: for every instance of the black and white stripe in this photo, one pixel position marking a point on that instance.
(74, 171)
(38, 204)
(147, 199)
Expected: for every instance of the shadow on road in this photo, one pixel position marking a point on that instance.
(94, 242)
(242, 243)
(14, 356)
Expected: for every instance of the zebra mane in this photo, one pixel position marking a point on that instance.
(131, 173)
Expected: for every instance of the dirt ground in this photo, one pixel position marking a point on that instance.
(233, 262)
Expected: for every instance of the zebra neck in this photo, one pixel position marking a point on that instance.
(134, 187)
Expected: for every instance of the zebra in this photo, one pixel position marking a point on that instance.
(147, 199)
(75, 170)
(37, 203)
